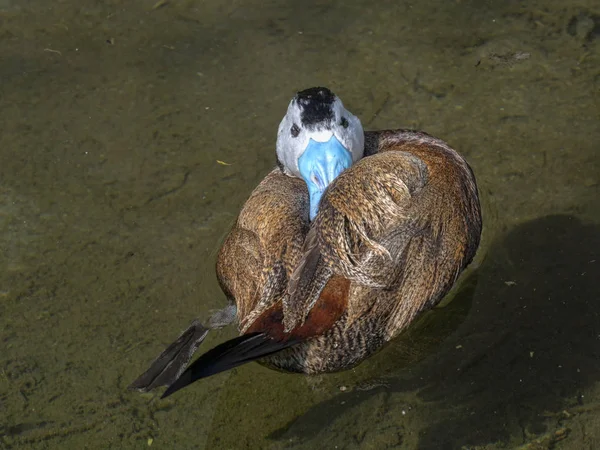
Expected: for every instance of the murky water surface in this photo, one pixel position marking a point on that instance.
(133, 131)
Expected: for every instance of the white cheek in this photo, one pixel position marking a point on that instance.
(291, 148)
(353, 139)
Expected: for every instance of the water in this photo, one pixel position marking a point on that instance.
(117, 118)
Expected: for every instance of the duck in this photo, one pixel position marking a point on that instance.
(338, 249)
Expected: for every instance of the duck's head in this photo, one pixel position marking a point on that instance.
(317, 140)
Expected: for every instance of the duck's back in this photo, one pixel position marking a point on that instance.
(392, 235)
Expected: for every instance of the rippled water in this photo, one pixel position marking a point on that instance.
(133, 131)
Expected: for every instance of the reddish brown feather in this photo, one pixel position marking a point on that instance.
(330, 306)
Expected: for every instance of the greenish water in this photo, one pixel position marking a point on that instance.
(115, 117)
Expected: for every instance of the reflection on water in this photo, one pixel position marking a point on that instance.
(113, 200)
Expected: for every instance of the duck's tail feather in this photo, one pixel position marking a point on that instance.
(170, 364)
(230, 354)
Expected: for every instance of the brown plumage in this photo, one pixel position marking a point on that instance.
(390, 235)
(393, 233)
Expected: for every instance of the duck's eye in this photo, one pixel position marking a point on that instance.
(295, 130)
(344, 122)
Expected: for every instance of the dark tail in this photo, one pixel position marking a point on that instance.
(228, 355)
(170, 364)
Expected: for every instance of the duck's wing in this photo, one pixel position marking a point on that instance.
(359, 233)
(260, 263)
(400, 224)
(368, 217)
(307, 280)
(264, 246)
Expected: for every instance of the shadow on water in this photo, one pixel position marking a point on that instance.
(528, 349)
